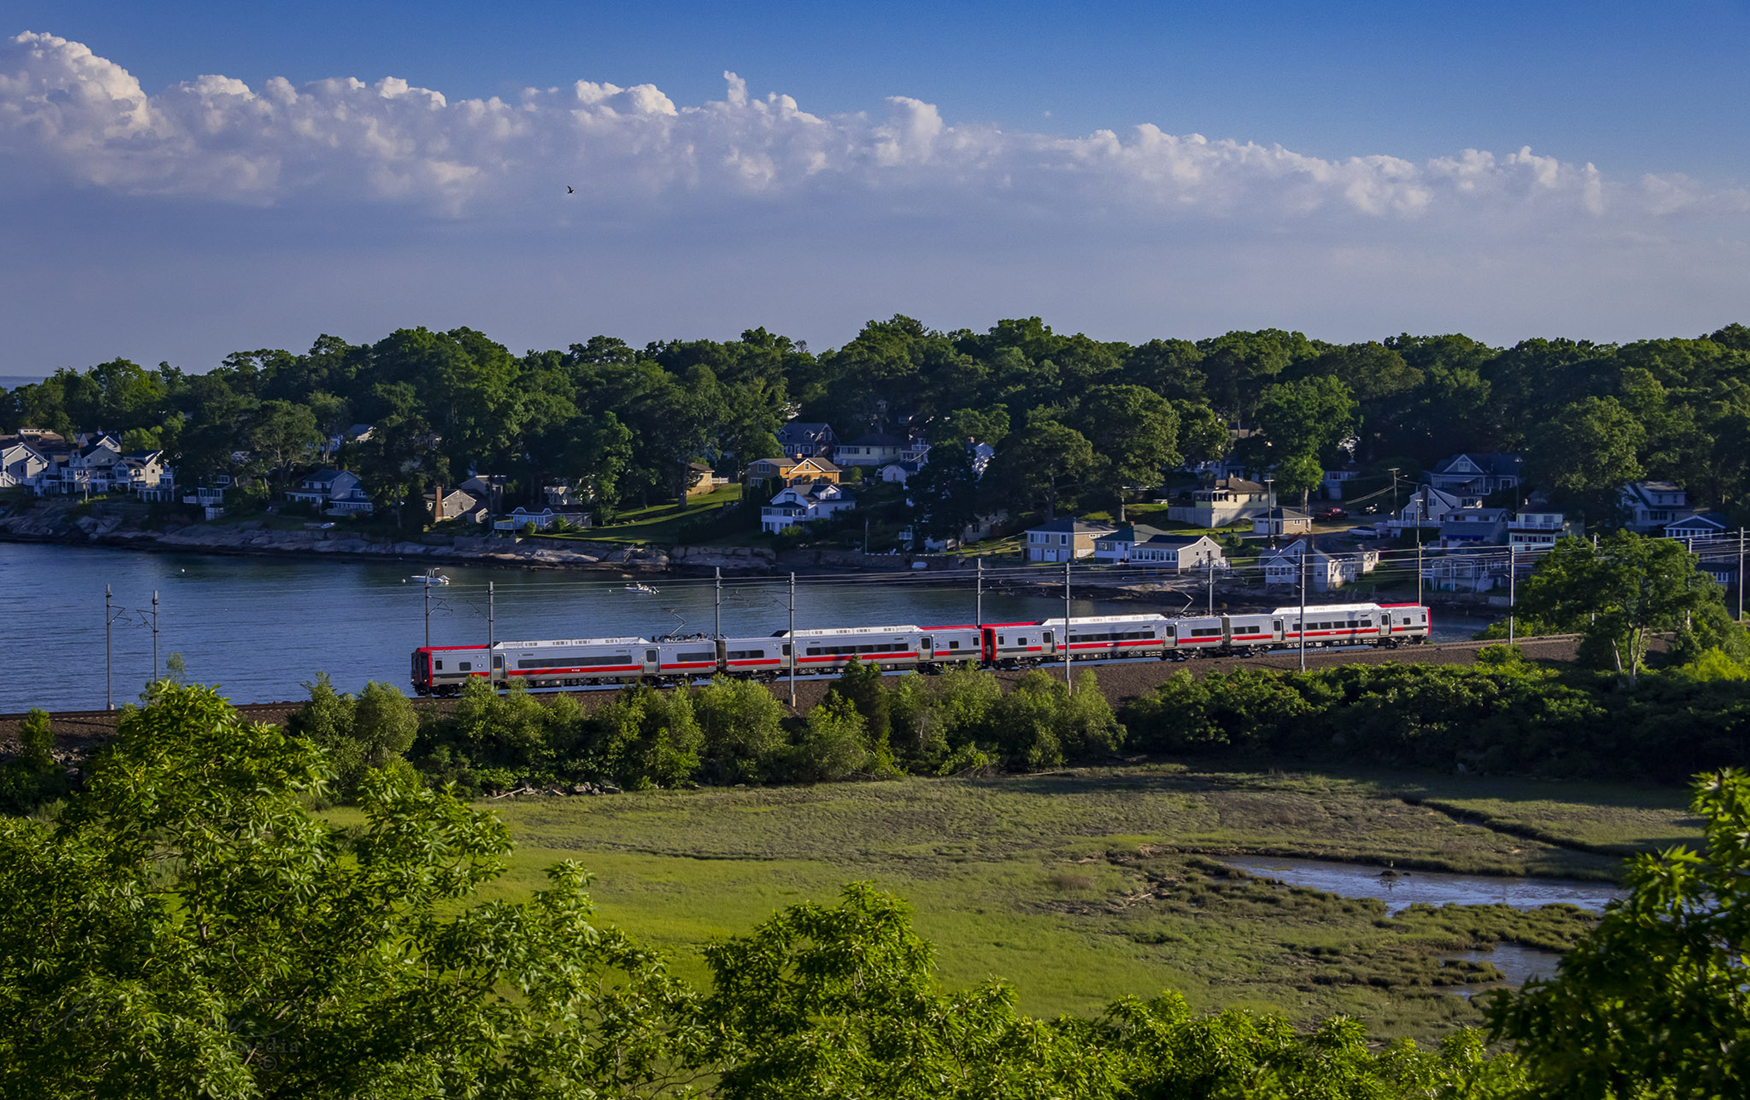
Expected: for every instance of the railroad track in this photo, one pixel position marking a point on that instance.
(90, 722)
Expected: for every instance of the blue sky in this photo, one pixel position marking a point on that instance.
(1352, 170)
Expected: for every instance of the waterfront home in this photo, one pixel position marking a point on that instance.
(1065, 539)
(795, 505)
(1467, 569)
(333, 493)
(455, 504)
(543, 520)
(875, 449)
(1427, 507)
(21, 465)
(145, 474)
(1224, 501)
(1113, 547)
(1180, 553)
(1474, 527)
(1537, 530)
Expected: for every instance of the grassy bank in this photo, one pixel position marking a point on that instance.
(1081, 886)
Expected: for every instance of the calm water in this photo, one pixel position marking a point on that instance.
(1430, 887)
(261, 627)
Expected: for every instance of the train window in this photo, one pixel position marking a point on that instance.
(650, 656)
(695, 657)
(1002, 641)
(465, 666)
(1020, 641)
(498, 660)
(576, 662)
(953, 645)
(928, 642)
(439, 665)
(786, 650)
(1045, 639)
(1406, 620)
(745, 654)
(1278, 625)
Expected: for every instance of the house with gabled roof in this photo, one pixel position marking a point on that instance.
(21, 464)
(1476, 474)
(803, 471)
(1700, 527)
(1225, 500)
(1065, 538)
(1179, 553)
(333, 493)
(874, 449)
(1114, 546)
(795, 505)
(1282, 521)
(1649, 505)
(807, 439)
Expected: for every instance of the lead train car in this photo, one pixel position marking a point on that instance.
(443, 670)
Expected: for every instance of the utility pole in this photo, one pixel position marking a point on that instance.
(1394, 489)
(1209, 561)
(1421, 518)
(717, 607)
(427, 587)
(1740, 574)
(1305, 564)
(491, 618)
(109, 660)
(154, 635)
(978, 599)
(1512, 587)
(1067, 682)
(793, 648)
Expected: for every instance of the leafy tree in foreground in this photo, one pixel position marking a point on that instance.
(1653, 1003)
(188, 928)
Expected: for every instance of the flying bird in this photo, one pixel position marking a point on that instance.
(570, 190)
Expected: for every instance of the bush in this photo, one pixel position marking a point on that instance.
(741, 728)
(360, 734)
(834, 743)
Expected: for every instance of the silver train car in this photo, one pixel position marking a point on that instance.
(586, 662)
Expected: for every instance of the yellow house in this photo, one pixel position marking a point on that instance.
(793, 471)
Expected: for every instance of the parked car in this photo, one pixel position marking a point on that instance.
(1333, 513)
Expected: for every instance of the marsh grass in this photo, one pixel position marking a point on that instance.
(1082, 886)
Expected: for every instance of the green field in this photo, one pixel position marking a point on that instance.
(1082, 886)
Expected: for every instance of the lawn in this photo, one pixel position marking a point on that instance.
(1083, 886)
(660, 524)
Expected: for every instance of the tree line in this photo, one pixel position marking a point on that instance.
(1076, 422)
(187, 925)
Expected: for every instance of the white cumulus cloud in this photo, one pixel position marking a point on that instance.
(69, 117)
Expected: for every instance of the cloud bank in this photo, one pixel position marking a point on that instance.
(71, 118)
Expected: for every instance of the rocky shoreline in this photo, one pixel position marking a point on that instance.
(61, 524)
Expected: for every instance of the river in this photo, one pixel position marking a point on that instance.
(261, 627)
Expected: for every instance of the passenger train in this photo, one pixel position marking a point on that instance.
(585, 662)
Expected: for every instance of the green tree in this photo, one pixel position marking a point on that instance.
(1586, 454)
(834, 742)
(1135, 431)
(1304, 421)
(943, 494)
(742, 729)
(36, 741)
(189, 928)
(1653, 1003)
(1043, 461)
(1618, 592)
(282, 434)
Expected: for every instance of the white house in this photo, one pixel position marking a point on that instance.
(795, 505)
(1326, 572)
(1282, 521)
(1336, 482)
(1227, 500)
(1427, 507)
(1114, 546)
(146, 476)
(1179, 553)
(875, 449)
(521, 517)
(1474, 527)
(1701, 527)
(1650, 505)
(334, 493)
(1473, 569)
(1064, 539)
(21, 464)
(1536, 530)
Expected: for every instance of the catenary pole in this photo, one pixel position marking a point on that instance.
(427, 587)
(1209, 561)
(793, 647)
(1305, 564)
(1512, 587)
(1067, 682)
(109, 660)
(154, 635)
(978, 598)
(1740, 574)
(491, 617)
(717, 605)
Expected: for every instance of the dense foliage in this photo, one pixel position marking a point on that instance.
(734, 731)
(189, 927)
(1074, 420)
(1501, 716)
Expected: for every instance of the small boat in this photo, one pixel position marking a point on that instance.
(638, 586)
(430, 576)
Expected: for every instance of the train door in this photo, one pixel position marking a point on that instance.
(1169, 639)
(652, 662)
(1276, 629)
(421, 672)
(1047, 645)
(789, 660)
(498, 668)
(987, 641)
(926, 649)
